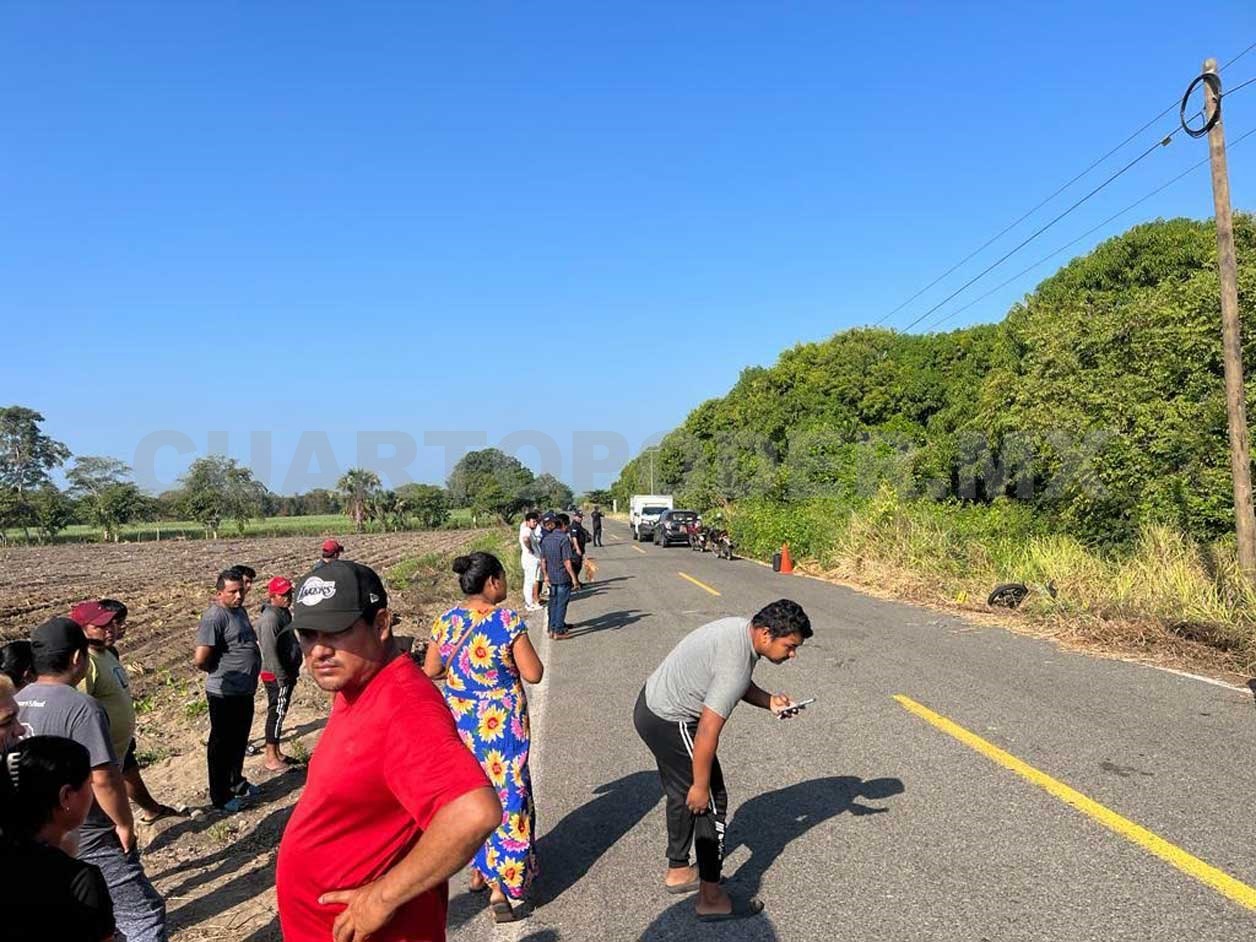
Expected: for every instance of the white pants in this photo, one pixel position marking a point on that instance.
(531, 573)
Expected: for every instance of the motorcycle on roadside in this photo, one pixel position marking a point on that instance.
(697, 536)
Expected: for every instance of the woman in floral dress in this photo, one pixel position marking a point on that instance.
(484, 654)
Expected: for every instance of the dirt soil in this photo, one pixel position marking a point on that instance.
(215, 871)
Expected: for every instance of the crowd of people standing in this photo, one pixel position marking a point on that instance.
(553, 555)
(71, 772)
(381, 826)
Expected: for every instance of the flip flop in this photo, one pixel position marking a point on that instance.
(502, 912)
(681, 888)
(166, 811)
(742, 909)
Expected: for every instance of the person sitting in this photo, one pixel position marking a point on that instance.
(45, 793)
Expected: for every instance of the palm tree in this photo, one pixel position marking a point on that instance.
(358, 486)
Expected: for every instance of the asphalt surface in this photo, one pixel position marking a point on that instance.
(861, 820)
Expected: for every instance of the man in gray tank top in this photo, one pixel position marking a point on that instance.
(680, 714)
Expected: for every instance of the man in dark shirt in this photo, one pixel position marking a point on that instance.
(595, 519)
(560, 575)
(281, 662)
(226, 650)
(579, 539)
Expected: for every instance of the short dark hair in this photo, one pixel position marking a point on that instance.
(56, 662)
(248, 572)
(119, 609)
(531, 515)
(17, 662)
(783, 618)
(228, 575)
(564, 520)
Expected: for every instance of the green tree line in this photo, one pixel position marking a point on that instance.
(1097, 403)
(217, 491)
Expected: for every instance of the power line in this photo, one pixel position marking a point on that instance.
(1091, 231)
(1236, 88)
(1002, 232)
(1041, 229)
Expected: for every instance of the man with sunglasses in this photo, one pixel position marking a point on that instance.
(394, 803)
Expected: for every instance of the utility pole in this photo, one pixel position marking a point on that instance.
(1227, 266)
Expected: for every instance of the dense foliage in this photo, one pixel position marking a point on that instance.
(1098, 403)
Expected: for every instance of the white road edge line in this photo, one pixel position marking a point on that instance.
(1200, 677)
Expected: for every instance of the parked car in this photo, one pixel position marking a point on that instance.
(644, 511)
(673, 527)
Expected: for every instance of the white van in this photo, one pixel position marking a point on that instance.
(644, 511)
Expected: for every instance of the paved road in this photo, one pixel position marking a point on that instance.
(862, 819)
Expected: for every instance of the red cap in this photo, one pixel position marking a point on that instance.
(278, 586)
(91, 613)
(332, 546)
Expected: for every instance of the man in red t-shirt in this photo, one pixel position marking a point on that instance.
(395, 802)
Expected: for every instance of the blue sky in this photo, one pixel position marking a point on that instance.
(305, 221)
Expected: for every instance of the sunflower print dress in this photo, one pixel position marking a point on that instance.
(486, 696)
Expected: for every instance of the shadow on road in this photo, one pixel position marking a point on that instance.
(611, 621)
(766, 825)
(571, 848)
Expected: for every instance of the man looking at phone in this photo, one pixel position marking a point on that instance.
(680, 714)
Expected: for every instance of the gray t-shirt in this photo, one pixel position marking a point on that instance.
(237, 658)
(60, 710)
(711, 667)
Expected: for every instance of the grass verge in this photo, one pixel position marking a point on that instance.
(1167, 597)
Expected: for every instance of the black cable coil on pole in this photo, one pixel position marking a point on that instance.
(1213, 81)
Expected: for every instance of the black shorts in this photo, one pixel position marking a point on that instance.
(129, 761)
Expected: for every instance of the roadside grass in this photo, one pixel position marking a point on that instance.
(309, 525)
(414, 569)
(1167, 595)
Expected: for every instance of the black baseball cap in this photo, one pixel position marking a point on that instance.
(548, 515)
(57, 636)
(335, 595)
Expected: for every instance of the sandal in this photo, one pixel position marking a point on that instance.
(742, 909)
(680, 888)
(502, 911)
(165, 811)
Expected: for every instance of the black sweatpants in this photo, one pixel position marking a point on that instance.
(278, 700)
(230, 719)
(597, 536)
(672, 745)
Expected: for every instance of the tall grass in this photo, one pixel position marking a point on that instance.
(1164, 588)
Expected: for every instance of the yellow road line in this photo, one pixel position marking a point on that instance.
(639, 549)
(700, 585)
(1192, 866)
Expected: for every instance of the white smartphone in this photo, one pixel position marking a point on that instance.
(795, 707)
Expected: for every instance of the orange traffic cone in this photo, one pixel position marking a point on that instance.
(787, 564)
